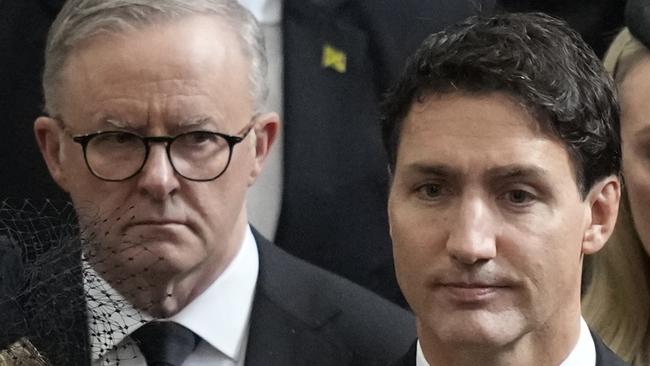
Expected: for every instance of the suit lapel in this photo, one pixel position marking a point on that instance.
(604, 355)
(288, 323)
(277, 339)
(271, 341)
(409, 358)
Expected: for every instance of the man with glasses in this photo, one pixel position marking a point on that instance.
(154, 128)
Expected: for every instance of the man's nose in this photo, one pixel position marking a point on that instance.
(158, 178)
(472, 237)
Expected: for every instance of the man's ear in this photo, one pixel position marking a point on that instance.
(48, 135)
(266, 131)
(603, 200)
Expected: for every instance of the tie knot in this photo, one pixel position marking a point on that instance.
(165, 343)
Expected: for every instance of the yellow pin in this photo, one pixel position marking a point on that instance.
(334, 59)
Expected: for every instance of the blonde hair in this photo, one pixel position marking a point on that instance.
(617, 302)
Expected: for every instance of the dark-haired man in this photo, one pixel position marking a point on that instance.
(503, 141)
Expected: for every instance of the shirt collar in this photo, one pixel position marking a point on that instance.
(583, 353)
(419, 356)
(220, 315)
(267, 12)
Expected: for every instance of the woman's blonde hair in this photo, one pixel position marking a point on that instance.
(617, 302)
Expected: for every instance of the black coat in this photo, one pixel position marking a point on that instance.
(604, 356)
(303, 315)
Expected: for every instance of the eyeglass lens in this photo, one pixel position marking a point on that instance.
(195, 155)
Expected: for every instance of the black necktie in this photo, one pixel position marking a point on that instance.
(165, 343)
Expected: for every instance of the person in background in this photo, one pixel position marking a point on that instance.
(617, 301)
(504, 147)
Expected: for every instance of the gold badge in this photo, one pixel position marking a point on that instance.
(334, 59)
(22, 353)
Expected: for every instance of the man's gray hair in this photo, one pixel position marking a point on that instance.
(81, 20)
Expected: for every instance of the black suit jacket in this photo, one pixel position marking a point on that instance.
(604, 356)
(303, 315)
(335, 169)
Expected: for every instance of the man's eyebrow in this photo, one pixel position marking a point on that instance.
(116, 123)
(645, 131)
(517, 171)
(432, 169)
(197, 121)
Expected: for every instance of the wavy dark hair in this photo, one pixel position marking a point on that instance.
(536, 59)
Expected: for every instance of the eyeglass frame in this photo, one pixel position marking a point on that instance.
(231, 140)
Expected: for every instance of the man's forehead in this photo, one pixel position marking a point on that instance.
(129, 80)
(198, 37)
(470, 123)
(511, 160)
(101, 29)
(493, 121)
(489, 137)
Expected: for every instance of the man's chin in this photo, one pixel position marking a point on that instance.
(151, 265)
(146, 285)
(476, 331)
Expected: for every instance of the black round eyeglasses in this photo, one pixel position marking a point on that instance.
(196, 155)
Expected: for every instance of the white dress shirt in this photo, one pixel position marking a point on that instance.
(265, 196)
(220, 316)
(583, 353)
